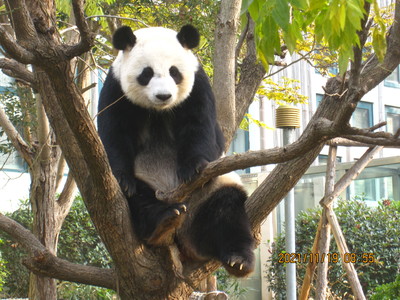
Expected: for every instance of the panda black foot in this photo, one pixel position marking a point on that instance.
(169, 221)
(126, 182)
(238, 265)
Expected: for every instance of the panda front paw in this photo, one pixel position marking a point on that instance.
(190, 168)
(126, 182)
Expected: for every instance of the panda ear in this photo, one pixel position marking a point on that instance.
(123, 38)
(189, 37)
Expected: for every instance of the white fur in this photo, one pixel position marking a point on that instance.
(159, 49)
(231, 178)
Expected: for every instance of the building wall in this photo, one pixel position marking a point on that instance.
(381, 180)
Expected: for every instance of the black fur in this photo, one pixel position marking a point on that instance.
(189, 37)
(220, 228)
(123, 38)
(196, 134)
(220, 231)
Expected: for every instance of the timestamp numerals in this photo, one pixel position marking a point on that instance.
(333, 257)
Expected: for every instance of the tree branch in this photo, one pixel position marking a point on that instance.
(251, 74)
(21, 22)
(17, 70)
(12, 48)
(16, 139)
(43, 131)
(351, 143)
(43, 262)
(322, 130)
(87, 36)
(66, 199)
(373, 71)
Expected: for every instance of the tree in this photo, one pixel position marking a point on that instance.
(156, 273)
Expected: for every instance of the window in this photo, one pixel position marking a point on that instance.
(372, 189)
(240, 144)
(392, 118)
(323, 159)
(393, 80)
(319, 98)
(362, 116)
(12, 162)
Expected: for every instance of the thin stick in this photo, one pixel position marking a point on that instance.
(348, 266)
(325, 235)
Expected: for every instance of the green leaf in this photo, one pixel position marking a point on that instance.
(254, 9)
(318, 4)
(342, 16)
(245, 6)
(269, 40)
(292, 36)
(379, 43)
(302, 4)
(281, 15)
(343, 61)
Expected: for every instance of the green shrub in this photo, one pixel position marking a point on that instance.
(16, 282)
(3, 271)
(389, 291)
(78, 242)
(366, 229)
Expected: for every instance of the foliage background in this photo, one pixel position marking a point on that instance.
(78, 242)
(366, 229)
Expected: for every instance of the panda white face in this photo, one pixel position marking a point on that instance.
(155, 69)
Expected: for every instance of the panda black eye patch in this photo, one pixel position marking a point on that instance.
(175, 74)
(146, 75)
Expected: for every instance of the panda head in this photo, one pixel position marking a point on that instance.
(155, 66)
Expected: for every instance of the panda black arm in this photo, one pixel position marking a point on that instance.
(118, 144)
(199, 138)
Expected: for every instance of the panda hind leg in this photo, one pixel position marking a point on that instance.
(221, 230)
(155, 221)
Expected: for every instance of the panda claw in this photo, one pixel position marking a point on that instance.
(177, 212)
(184, 208)
(241, 267)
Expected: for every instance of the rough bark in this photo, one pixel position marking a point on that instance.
(43, 160)
(225, 73)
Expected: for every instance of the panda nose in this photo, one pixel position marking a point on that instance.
(163, 97)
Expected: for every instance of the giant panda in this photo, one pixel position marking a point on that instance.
(157, 121)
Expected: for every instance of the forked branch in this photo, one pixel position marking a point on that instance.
(43, 262)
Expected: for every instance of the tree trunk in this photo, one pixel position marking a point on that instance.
(225, 74)
(42, 197)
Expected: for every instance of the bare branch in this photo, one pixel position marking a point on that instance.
(16, 139)
(339, 141)
(45, 263)
(66, 197)
(17, 70)
(12, 48)
(285, 66)
(87, 36)
(373, 71)
(118, 17)
(320, 131)
(324, 235)
(21, 22)
(251, 74)
(43, 130)
(242, 38)
(371, 140)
